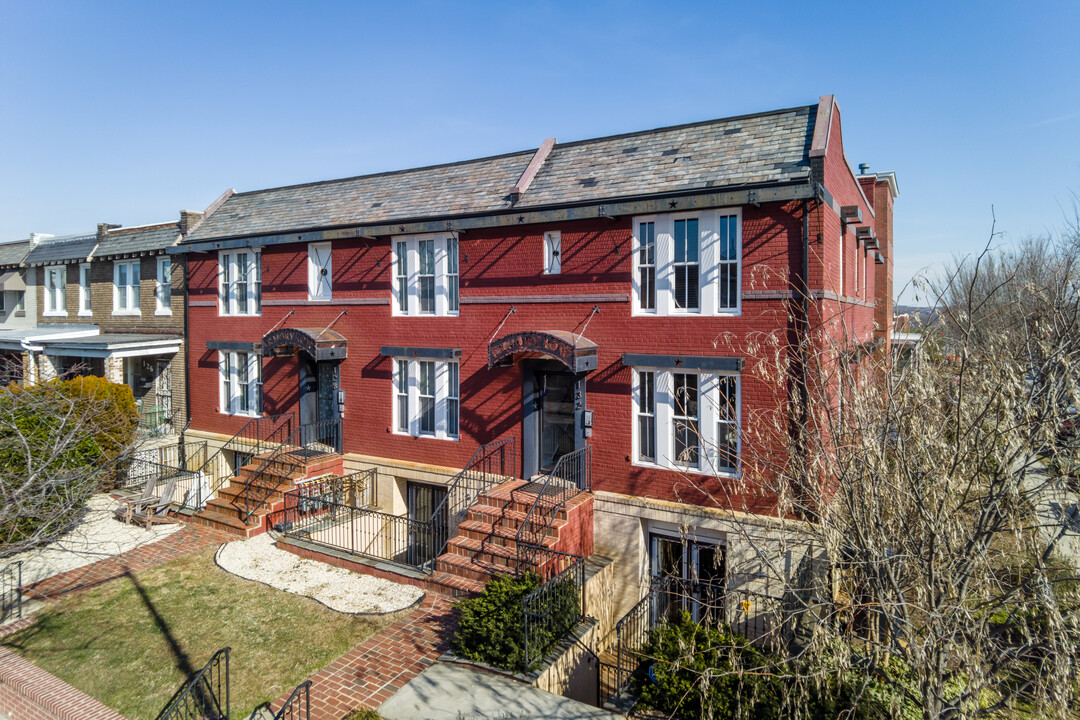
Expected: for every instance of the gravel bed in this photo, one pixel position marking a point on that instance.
(98, 536)
(338, 589)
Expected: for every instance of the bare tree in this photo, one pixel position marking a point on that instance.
(58, 442)
(907, 497)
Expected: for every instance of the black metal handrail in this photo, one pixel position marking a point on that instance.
(205, 696)
(322, 519)
(570, 477)
(298, 706)
(491, 464)
(556, 606)
(11, 591)
(252, 438)
(288, 457)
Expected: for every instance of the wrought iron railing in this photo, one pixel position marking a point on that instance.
(11, 591)
(154, 420)
(205, 696)
(570, 477)
(298, 706)
(254, 437)
(330, 520)
(755, 615)
(490, 465)
(555, 607)
(289, 457)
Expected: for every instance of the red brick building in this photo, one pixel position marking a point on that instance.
(600, 293)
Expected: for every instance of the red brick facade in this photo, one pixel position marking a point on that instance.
(500, 269)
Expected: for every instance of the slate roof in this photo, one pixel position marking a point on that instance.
(769, 147)
(60, 249)
(147, 238)
(12, 253)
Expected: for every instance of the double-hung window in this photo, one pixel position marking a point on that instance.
(126, 287)
(646, 412)
(426, 398)
(56, 290)
(647, 266)
(687, 421)
(239, 282)
(426, 275)
(241, 383)
(688, 263)
(163, 290)
(85, 308)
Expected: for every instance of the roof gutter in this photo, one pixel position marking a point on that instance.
(698, 200)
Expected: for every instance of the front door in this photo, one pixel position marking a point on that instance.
(557, 412)
(319, 384)
(423, 502)
(164, 388)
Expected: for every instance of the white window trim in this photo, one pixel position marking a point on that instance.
(134, 307)
(409, 306)
(315, 276)
(50, 297)
(226, 302)
(162, 283)
(229, 384)
(708, 417)
(553, 252)
(86, 307)
(708, 263)
(442, 383)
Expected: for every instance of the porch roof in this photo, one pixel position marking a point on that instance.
(113, 345)
(317, 343)
(577, 353)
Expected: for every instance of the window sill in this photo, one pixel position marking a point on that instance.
(163, 313)
(53, 313)
(86, 313)
(240, 414)
(688, 470)
(127, 313)
(427, 436)
(238, 315)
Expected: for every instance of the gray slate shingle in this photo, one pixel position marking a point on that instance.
(764, 148)
(68, 247)
(122, 241)
(13, 253)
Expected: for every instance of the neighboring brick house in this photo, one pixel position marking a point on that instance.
(113, 303)
(14, 319)
(600, 293)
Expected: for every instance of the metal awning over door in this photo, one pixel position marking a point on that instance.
(320, 345)
(577, 353)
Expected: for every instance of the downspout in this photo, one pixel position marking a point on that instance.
(182, 450)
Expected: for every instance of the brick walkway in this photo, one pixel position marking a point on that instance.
(371, 672)
(189, 538)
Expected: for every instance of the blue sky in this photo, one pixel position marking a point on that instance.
(128, 112)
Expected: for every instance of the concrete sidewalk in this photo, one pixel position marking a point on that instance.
(449, 692)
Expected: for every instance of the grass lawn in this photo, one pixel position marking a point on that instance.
(128, 642)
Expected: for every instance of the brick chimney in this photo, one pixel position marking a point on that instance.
(189, 219)
(103, 230)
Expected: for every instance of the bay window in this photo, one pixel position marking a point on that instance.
(688, 263)
(425, 275)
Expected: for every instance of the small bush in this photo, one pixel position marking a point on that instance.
(363, 714)
(491, 628)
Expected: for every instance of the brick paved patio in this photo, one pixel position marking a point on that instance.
(189, 538)
(371, 672)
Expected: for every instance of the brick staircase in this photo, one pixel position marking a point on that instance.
(485, 542)
(226, 512)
